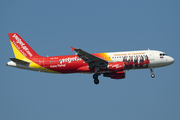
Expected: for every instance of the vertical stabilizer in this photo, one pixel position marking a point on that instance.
(20, 47)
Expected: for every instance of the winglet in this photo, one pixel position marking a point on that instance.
(73, 48)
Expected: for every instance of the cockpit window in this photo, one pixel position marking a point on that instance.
(163, 54)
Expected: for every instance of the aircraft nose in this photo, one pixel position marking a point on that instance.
(171, 60)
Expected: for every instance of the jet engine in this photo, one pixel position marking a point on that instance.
(115, 66)
(115, 75)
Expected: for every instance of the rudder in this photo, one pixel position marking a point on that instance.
(20, 47)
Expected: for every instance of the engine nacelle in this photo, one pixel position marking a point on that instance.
(116, 75)
(115, 66)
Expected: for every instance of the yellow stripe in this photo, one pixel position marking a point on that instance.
(107, 56)
(17, 53)
(20, 56)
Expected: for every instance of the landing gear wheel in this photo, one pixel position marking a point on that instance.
(95, 76)
(96, 81)
(152, 75)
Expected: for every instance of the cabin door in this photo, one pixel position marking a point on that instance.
(151, 55)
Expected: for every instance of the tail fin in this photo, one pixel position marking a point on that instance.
(20, 47)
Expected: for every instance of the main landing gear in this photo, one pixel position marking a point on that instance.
(152, 75)
(95, 77)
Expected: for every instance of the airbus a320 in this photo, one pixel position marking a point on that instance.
(112, 64)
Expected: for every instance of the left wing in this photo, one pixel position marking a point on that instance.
(92, 60)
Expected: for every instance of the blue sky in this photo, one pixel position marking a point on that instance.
(51, 27)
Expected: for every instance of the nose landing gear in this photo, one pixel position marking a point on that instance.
(152, 75)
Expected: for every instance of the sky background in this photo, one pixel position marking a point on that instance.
(50, 27)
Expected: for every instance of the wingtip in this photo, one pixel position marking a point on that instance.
(73, 48)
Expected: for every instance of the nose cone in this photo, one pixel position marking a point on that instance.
(171, 60)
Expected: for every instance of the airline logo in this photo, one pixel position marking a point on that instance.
(21, 46)
(69, 59)
(116, 66)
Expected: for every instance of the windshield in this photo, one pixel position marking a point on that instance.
(163, 54)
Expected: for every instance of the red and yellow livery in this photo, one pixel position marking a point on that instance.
(111, 65)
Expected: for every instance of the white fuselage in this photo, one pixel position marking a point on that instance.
(156, 58)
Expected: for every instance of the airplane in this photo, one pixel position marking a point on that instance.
(112, 64)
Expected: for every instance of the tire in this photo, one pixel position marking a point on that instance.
(95, 76)
(96, 81)
(152, 75)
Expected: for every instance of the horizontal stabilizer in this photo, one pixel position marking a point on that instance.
(19, 61)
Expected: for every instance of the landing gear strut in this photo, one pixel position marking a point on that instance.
(96, 80)
(152, 75)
